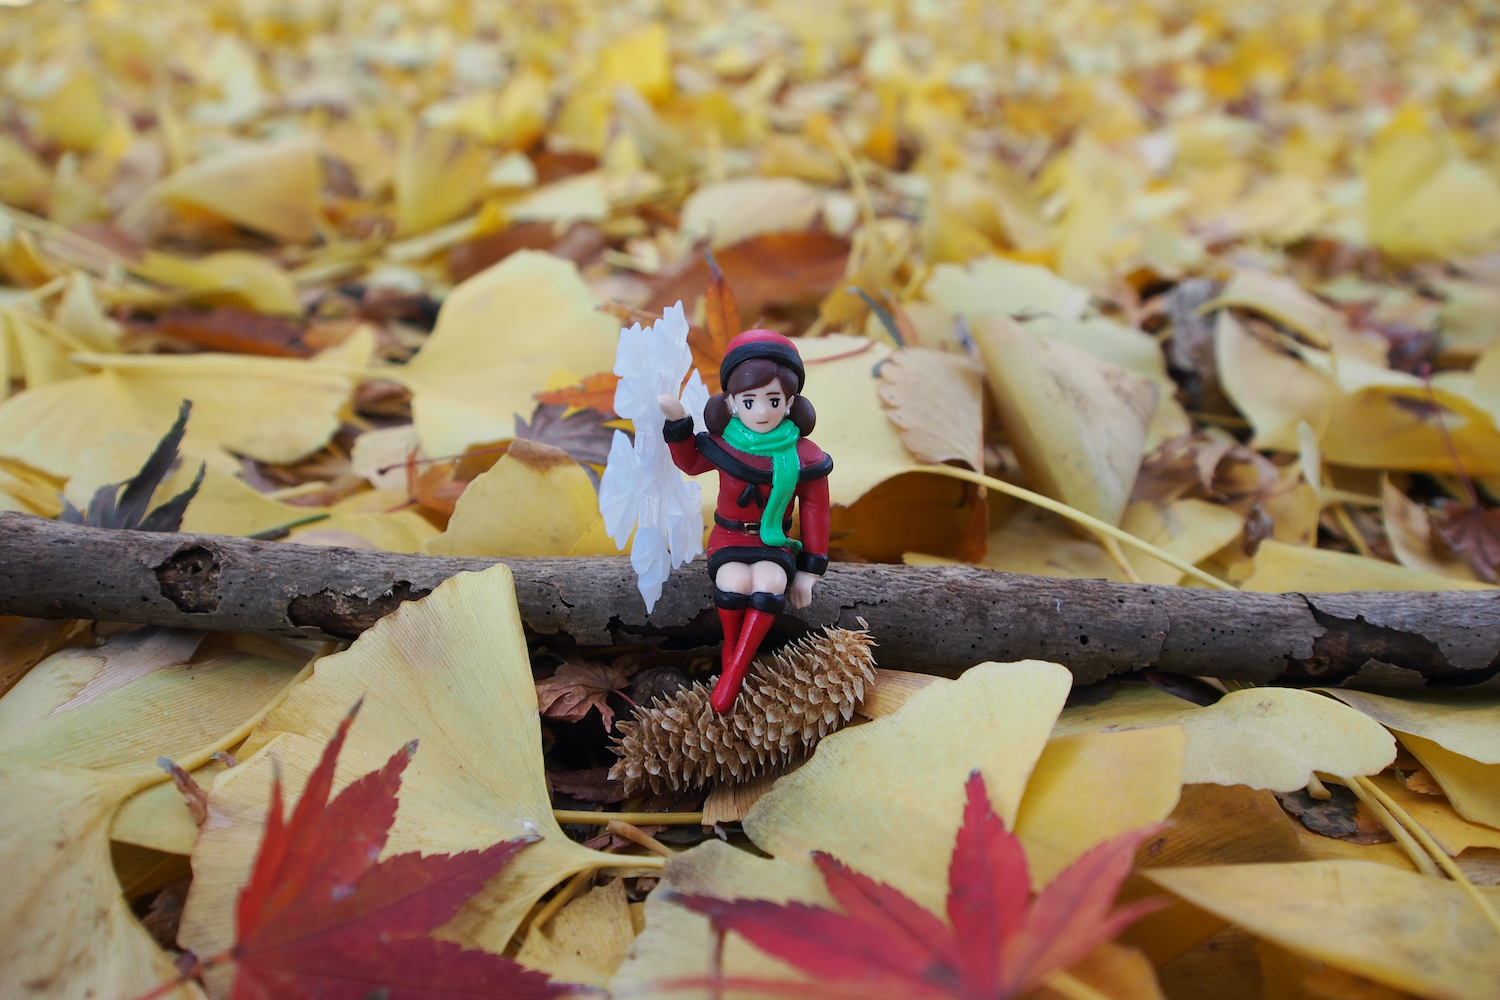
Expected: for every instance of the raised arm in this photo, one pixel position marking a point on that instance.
(678, 433)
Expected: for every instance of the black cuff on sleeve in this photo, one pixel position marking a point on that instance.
(677, 430)
(809, 563)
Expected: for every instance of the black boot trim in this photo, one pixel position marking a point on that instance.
(730, 601)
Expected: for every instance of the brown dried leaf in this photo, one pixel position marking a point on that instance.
(591, 784)
(192, 792)
(771, 270)
(234, 330)
(581, 685)
(1473, 533)
(581, 434)
(937, 400)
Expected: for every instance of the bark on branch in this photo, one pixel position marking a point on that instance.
(934, 619)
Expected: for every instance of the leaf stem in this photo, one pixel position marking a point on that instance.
(1356, 537)
(636, 835)
(552, 906)
(1078, 517)
(1112, 546)
(1438, 854)
(1458, 465)
(1403, 836)
(638, 818)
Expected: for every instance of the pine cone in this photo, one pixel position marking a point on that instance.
(808, 690)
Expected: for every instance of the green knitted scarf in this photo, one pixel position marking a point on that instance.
(786, 467)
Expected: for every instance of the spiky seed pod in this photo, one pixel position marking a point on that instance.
(808, 690)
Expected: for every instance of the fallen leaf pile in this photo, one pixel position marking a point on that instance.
(1217, 283)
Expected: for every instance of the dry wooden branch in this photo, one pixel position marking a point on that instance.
(934, 619)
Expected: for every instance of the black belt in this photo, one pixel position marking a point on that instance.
(748, 527)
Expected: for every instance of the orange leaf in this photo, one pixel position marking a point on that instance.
(595, 392)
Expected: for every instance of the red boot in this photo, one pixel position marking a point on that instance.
(731, 621)
(758, 621)
(731, 617)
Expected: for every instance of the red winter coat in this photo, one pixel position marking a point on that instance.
(745, 488)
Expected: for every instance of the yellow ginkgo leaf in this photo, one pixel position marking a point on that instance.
(1413, 933)
(1288, 569)
(1041, 543)
(498, 337)
(1044, 303)
(678, 943)
(142, 695)
(80, 314)
(270, 187)
(1465, 722)
(512, 118)
(535, 501)
(69, 105)
(1424, 199)
(1089, 782)
(63, 921)
(1272, 738)
(231, 278)
(1191, 529)
(1456, 736)
(451, 671)
(732, 211)
(79, 735)
(158, 817)
(1391, 420)
(1077, 424)
(377, 519)
(641, 60)
(1273, 389)
(41, 356)
(1283, 300)
(887, 798)
(852, 425)
(994, 285)
(1409, 530)
(439, 176)
(273, 409)
(1436, 815)
(586, 941)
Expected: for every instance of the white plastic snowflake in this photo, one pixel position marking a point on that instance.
(641, 488)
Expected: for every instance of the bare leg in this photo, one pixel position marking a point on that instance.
(737, 578)
(767, 578)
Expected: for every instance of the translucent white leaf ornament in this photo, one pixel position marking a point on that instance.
(641, 489)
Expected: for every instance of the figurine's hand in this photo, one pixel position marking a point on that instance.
(671, 407)
(801, 592)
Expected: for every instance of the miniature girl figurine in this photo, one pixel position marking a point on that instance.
(757, 440)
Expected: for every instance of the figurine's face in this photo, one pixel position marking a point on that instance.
(761, 409)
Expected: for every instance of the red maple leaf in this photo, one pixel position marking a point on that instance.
(320, 918)
(999, 940)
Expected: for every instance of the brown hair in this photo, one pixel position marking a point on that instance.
(753, 374)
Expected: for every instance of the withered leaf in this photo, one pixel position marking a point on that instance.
(592, 784)
(1472, 532)
(581, 434)
(581, 685)
(237, 331)
(110, 508)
